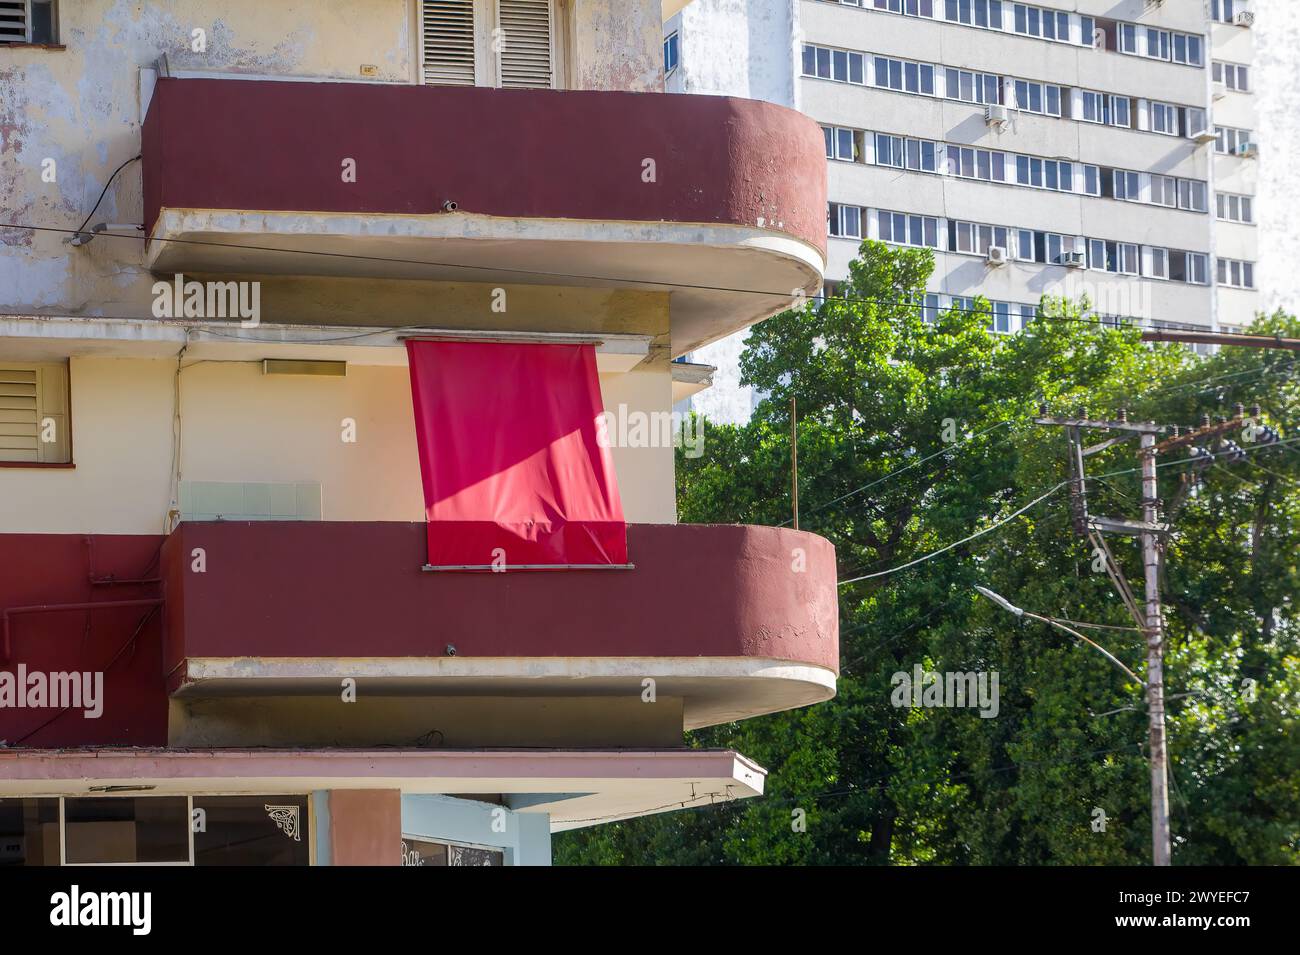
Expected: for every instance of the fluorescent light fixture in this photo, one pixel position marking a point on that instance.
(292, 366)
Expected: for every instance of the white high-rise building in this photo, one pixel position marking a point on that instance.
(1104, 148)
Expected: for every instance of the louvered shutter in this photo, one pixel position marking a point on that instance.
(447, 30)
(19, 416)
(524, 59)
(13, 21)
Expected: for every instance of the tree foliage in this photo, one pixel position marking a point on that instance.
(879, 390)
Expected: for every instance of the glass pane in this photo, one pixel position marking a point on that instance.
(111, 829)
(423, 852)
(251, 830)
(29, 832)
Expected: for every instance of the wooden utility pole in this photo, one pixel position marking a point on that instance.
(794, 461)
(1148, 531)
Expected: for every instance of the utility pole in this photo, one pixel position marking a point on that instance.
(1148, 531)
(794, 461)
(1160, 847)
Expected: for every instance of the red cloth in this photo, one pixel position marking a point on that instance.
(509, 455)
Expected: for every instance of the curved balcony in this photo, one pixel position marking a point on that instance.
(709, 198)
(732, 621)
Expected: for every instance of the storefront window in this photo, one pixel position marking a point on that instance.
(418, 851)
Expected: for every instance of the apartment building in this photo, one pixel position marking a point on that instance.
(337, 519)
(1084, 147)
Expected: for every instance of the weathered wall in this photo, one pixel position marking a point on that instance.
(81, 107)
(617, 45)
(738, 48)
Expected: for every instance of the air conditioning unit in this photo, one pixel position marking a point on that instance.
(1074, 260)
(997, 255)
(1248, 150)
(997, 115)
(1220, 89)
(1246, 18)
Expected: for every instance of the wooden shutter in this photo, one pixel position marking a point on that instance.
(13, 21)
(447, 42)
(19, 416)
(524, 58)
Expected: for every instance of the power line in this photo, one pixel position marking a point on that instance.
(964, 540)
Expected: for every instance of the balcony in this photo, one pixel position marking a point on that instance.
(729, 622)
(709, 198)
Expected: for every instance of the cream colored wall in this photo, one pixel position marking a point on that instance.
(241, 426)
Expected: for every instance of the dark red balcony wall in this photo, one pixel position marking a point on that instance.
(40, 569)
(337, 589)
(279, 146)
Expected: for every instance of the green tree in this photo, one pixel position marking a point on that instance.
(915, 431)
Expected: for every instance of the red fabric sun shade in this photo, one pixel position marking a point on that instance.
(513, 472)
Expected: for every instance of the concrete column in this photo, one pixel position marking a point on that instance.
(365, 826)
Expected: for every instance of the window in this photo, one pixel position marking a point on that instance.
(972, 87)
(34, 420)
(1127, 34)
(1105, 108)
(843, 144)
(1188, 49)
(980, 13)
(1000, 322)
(1193, 195)
(1225, 11)
(29, 21)
(1230, 141)
(1160, 263)
(29, 832)
(251, 830)
(1126, 186)
(1092, 180)
(1164, 119)
(1164, 191)
(970, 163)
(844, 66)
(1046, 247)
(107, 830)
(904, 76)
(844, 221)
(417, 850)
(671, 44)
(1038, 97)
(1236, 274)
(1121, 257)
(1190, 267)
(459, 43)
(909, 230)
(1048, 24)
(974, 238)
(918, 155)
(1234, 76)
(1233, 208)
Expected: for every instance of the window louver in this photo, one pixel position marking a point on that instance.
(524, 44)
(19, 424)
(13, 21)
(448, 36)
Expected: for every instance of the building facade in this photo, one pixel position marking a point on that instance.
(337, 518)
(1073, 148)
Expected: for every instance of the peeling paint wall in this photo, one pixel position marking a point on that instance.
(617, 45)
(80, 107)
